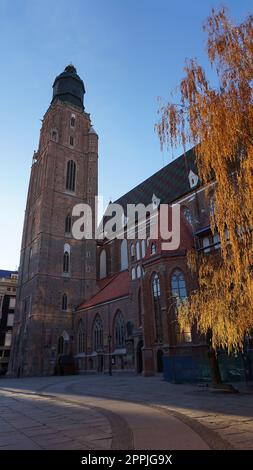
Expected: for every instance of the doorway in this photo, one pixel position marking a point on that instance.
(100, 363)
(159, 359)
(139, 357)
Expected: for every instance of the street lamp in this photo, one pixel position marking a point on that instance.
(110, 358)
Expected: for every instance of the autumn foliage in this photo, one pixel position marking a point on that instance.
(219, 122)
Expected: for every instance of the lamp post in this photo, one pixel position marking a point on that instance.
(110, 358)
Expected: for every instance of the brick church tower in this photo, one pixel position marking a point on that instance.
(56, 271)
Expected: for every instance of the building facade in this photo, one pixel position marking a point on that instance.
(141, 285)
(8, 286)
(98, 305)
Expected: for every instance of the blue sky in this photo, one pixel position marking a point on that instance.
(128, 53)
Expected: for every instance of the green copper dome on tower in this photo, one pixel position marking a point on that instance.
(69, 87)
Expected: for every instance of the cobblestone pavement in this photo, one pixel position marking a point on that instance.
(35, 422)
(220, 420)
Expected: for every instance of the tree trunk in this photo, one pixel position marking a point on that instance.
(214, 365)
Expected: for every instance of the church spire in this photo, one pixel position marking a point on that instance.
(69, 87)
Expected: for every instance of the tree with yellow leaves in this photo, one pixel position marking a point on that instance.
(219, 123)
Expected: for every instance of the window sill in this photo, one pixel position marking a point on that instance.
(68, 191)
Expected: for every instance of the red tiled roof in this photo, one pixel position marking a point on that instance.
(111, 288)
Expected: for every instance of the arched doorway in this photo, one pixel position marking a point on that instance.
(60, 347)
(159, 358)
(63, 343)
(100, 363)
(139, 357)
(65, 363)
(60, 350)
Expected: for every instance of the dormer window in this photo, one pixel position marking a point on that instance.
(193, 179)
(155, 202)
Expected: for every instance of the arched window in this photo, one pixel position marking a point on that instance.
(133, 274)
(138, 254)
(138, 271)
(80, 338)
(66, 258)
(71, 176)
(68, 224)
(120, 330)
(178, 291)
(54, 135)
(139, 307)
(66, 262)
(102, 264)
(98, 334)
(132, 250)
(153, 248)
(143, 248)
(123, 255)
(156, 294)
(188, 215)
(64, 302)
(178, 286)
(72, 120)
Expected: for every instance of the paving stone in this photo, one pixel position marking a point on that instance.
(68, 445)
(228, 415)
(22, 446)
(50, 440)
(39, 431)
(14, 439)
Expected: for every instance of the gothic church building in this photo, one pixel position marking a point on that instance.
(100, 305)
